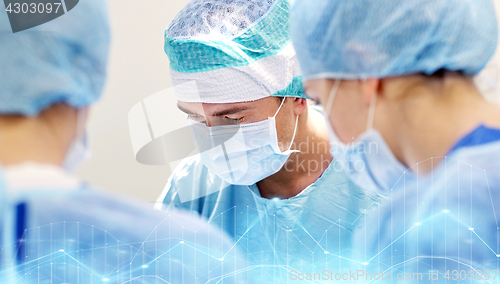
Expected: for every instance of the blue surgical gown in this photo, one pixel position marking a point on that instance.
(280, 238)
(442, 226)
(54, 234)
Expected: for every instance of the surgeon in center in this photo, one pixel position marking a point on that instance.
(264, 174)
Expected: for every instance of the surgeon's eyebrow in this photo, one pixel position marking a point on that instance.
(231, 111)
(186, 110)
(217, 114)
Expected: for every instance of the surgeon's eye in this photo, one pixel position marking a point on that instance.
(197, 118)
(235, 120)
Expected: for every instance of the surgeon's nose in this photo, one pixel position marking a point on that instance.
(207, 122)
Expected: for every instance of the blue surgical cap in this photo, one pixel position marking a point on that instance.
(359, 39)
(61, 61)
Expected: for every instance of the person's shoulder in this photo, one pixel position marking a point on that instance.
(127, 227)
(192, 172)
(190, 181)
(477, 165)
(189, 165)
(482, 155)
(110, 211)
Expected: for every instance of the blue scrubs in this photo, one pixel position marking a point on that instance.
(307, 233)
(444, 224)
(77, 235)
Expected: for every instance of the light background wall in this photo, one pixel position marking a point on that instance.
(139, 68)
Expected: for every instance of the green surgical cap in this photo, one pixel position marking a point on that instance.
(232, 51)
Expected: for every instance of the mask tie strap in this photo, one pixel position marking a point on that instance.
(294, 132)
(371, 112)
(282, 102)
(81, 124)
(333, 93)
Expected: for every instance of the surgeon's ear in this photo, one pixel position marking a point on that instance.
(369, 88)
(299, 105)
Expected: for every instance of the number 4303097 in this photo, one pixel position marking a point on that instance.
(471, 275)
(33, 8)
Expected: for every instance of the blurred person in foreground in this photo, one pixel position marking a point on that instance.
(55, 227)
(399, 75)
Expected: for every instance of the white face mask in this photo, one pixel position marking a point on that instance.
(368, 161)
(328, 110)
(242, 154)
(79, 150)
